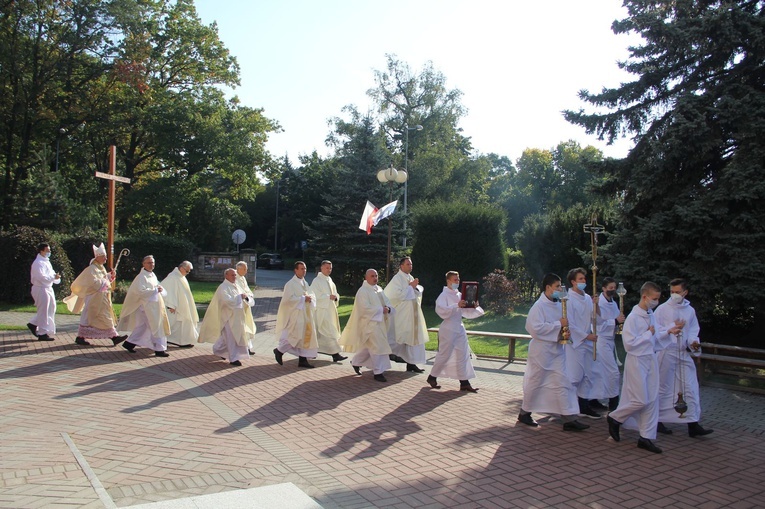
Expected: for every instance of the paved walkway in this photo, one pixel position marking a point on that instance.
(97, 427)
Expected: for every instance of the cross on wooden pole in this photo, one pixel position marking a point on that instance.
(111, 177)
(593, 228)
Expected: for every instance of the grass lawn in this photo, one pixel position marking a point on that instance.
(481, 346)
(203, 294)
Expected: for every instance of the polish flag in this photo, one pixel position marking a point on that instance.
(368, 217)
(385, 212)
(372, 215)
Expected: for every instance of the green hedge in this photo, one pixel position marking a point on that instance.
(455, 236)
(168, 253)
(18, 249)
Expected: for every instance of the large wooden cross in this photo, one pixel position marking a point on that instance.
(111, 177)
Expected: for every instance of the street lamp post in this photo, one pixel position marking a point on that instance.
(406, 169)
(389, 176)
(276, 220)
(61, 132)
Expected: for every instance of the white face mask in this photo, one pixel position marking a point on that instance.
(676, 298)
(47, 255)
(455, 286)
(653, 303)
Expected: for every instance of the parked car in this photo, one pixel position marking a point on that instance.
(270, 261)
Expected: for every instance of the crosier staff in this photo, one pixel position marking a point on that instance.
(593, 228)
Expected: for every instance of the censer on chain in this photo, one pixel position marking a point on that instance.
(680, 405)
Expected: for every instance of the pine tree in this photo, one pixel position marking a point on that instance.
(335, 234)
(692, 188)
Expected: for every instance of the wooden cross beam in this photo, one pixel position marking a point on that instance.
(112, 178)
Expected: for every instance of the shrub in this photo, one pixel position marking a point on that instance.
(168, 252)
(455, 236)
(500, 295)
(18, 249)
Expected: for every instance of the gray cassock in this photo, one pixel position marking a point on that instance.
(546, 384)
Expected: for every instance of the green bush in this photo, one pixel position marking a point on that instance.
(168, 253)
(455, 236)
(500, 295)
(18, 249)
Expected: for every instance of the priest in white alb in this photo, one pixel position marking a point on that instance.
(453, 357)
(327, 319)
(181, 309)
(547, 388)
(43, 277)
(225, 321)
(92, 296)
(144, 314)
(411, 331)
(244, 288)
(367, 330)
(296, 320)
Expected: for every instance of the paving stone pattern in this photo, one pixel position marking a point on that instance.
(151, 429)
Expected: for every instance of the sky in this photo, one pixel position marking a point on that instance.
(517, 63)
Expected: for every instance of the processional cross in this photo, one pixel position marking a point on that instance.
(593, 228)
(111, 177)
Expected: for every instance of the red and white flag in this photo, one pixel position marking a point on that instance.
(367, 218)
(372, 215)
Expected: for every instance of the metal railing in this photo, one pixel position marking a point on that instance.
(512, 339)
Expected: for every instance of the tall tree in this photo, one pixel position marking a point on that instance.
(437, 155)
(692, 187)
(49, 59)
(360, 154)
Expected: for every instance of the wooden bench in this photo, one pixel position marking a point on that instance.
(512, 340)
(751, 358)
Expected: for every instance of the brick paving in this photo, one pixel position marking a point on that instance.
(148, 429)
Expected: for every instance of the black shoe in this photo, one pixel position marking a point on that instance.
(130, 347)
(644, 443)
(236, 363)
(613, 428)
(336, 357)
(695, 430)
(574, 426)
(45, 337)
(357, 369)
(613, 403)
(412, 368)
(33, 329)
(81, 341)
(597, 405)
(250, 352)
(467, 387)
(589, 412)
(186, 346)
(278, 356)
(381, 378)
(303, 363)
(395, 358)
(433, 382)
(118, 339)
(661, 428)
(527, 420)
(160, 353)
